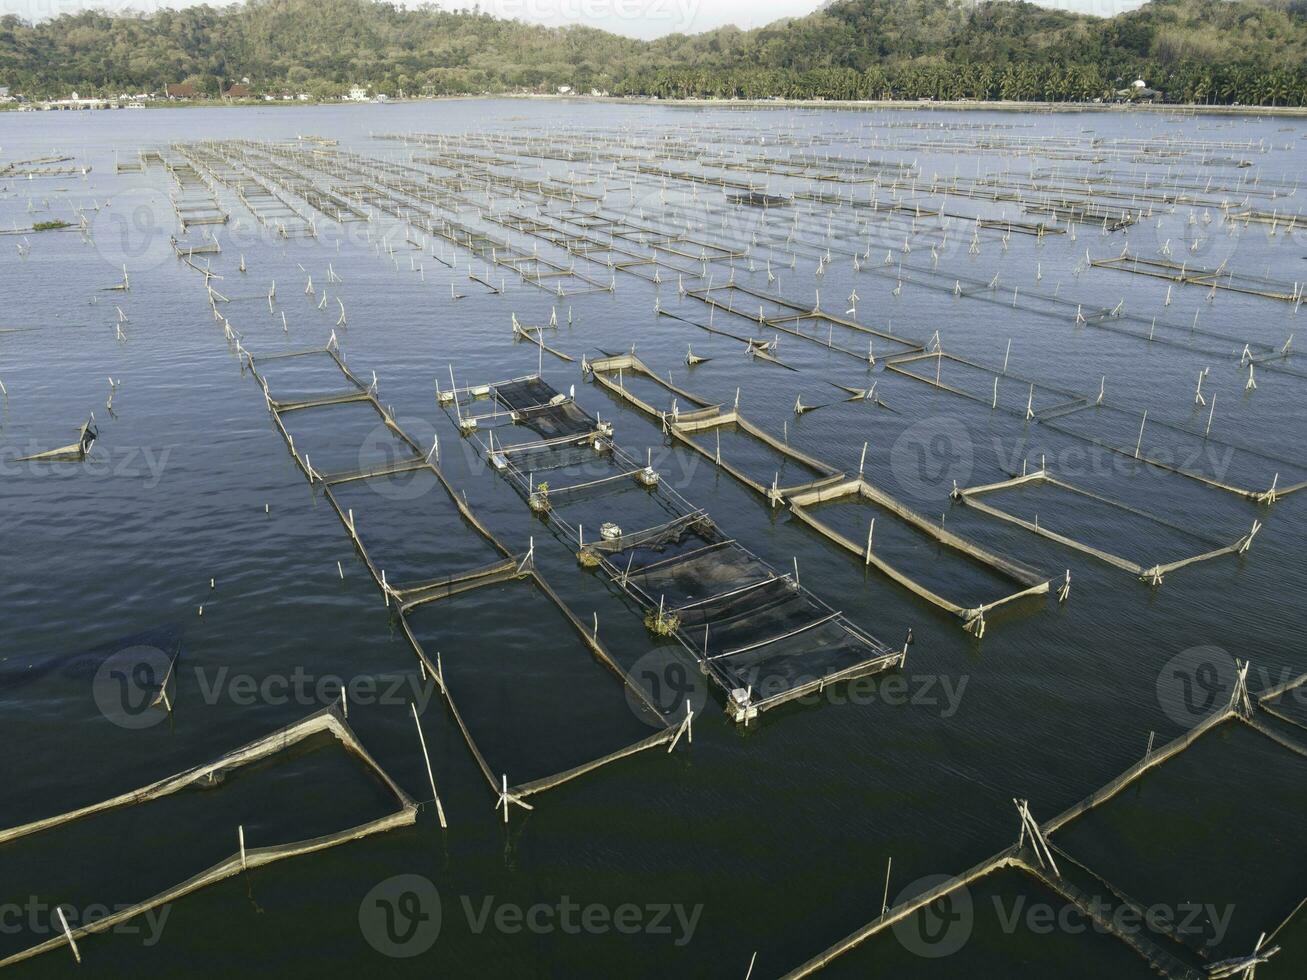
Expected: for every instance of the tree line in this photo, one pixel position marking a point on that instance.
(1252, 52)
(1249, 85)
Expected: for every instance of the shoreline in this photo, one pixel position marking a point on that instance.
(956, 105)
(864, 105)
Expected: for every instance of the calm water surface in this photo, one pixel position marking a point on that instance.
(772, 839)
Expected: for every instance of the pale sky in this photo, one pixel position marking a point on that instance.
(655, 18)
(634, 18)
(647, 18)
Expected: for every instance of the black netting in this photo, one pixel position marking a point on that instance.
(550, 421)
(791, 661)
(531, 399)
(579, 456)
(755, 616)
(700, 575)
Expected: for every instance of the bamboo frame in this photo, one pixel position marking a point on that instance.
(973, 617)
(412, 596)
(1152, 574)
(328, 720)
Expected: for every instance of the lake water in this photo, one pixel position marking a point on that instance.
(769, 840)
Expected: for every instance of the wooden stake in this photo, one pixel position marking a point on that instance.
(884, 902)
(68, 933)
(440, 810)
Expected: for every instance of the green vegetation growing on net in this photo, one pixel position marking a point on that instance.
(661, 623)
(1252, 52)
(50, 225)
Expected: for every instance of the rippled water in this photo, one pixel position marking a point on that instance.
(779, 832)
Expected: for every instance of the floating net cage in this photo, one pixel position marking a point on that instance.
(513, 719)
(361, 445)
(1261, 476)
(1000, 390)
(1024, 581)
(824, 485)
(627, 377)
(194, 201)
(344, 186)
(1213, 279)
(1287, 701)
(1116, 319)
(1107, 857)
(329, 722)
(1082, 312)
(1112, 513)
(187, 249)
(271, 209)
(1278, 220)
(1179, 449)
(773, 310)
(986, 910)
(776, 312)
(758, 199)
(411, 597)
(760, 636)
(753, 443)
(627, 248)
(47, 166)
(760, 350)
(1117, 844)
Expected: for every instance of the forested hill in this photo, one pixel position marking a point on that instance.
(1247, 51)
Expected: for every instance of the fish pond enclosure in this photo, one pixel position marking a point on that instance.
(647, 540)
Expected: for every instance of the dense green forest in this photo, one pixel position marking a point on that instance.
(1220, 51)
